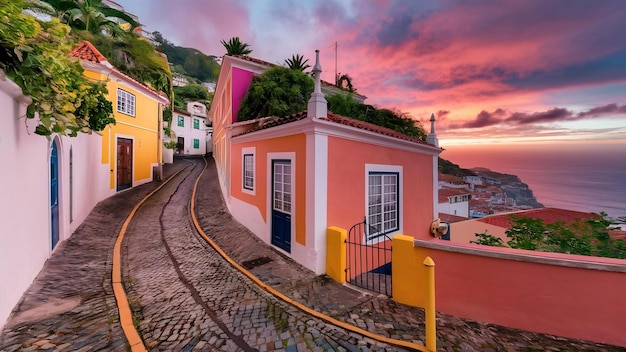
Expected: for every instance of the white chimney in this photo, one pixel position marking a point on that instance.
(317, 103)
(432, 137)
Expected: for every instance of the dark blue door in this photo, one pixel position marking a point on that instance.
(54, 194)
(281, 204)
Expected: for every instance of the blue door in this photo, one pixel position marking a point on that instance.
(281, 204)
(54, 194)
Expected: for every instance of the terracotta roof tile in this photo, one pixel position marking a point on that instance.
(548, 215)
(343, 120)
(87, 51)
(445, 193)
(449, 218)
(371, 127)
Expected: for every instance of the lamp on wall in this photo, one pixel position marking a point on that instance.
(439, 228)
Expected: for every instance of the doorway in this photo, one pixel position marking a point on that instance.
(281, 204)
(124, 163)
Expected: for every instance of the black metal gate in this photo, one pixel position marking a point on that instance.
(368, 261)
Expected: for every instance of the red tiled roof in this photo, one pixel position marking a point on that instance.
(445, 193)
(371, 127)
(449, 218)
(336, 119)
(547, 215)
(87, 51)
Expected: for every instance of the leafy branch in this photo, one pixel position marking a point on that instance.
(34, 55)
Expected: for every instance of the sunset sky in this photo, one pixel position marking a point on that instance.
(492, 71)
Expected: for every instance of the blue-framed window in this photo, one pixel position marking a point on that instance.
(383, 203)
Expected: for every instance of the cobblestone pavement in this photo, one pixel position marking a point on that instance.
(185, 297)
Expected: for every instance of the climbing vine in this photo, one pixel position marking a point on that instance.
(34, 54)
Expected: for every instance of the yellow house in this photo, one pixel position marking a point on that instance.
(132, 146)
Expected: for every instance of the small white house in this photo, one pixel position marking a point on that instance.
(190, 130)
(454, 201)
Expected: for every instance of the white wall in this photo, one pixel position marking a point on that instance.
(189, 134)
(458, 209)
(24, 185)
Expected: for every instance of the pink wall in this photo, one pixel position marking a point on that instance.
(241, 81)
(295, 143)
(565, 301)
(346, 184)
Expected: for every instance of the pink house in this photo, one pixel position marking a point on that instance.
(288, 179)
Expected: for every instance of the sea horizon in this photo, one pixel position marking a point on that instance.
(587, 178)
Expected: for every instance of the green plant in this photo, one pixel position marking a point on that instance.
(235, 47)
(35, 56)
(278, 91)
(297, 62)
(486, 239)
(170, 144)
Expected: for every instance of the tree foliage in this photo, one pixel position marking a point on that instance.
(344, 104)
(190, 92)
(582, 237)
(235, 47)
(279, 91)
(35, 56)
(297, 62)
(188, 61)
(93, 16)
(135, 57)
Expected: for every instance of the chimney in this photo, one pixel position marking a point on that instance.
(317, 103)
(432, 137)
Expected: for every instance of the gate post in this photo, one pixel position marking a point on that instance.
(429, 310)
(406, 272)
(336, 253)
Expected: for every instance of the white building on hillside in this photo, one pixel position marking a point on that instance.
(454, 202)
(190, 130)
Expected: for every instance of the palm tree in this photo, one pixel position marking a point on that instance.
(90, 15)
(345, 81)
(297, 62)
(235, 47)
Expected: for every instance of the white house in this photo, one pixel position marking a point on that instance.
(190, 130)
(48, 189)
(454, 201)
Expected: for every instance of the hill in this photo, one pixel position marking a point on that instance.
(188, 61)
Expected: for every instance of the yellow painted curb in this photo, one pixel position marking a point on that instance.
(126, 317)
(283, 297)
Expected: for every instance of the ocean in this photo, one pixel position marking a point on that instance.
(583, 177)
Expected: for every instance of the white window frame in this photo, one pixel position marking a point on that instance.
(249, 151)
(125, 104)
(372, 238)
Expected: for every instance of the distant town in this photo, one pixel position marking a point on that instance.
(482, 192)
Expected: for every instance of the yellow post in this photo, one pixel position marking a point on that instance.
(407, 272)
(336, 253)
(429, 309)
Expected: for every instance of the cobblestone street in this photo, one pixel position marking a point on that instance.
(185, 297)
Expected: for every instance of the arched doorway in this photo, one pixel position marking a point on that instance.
(54, 193)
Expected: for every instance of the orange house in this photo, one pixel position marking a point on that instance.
(289, 179)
